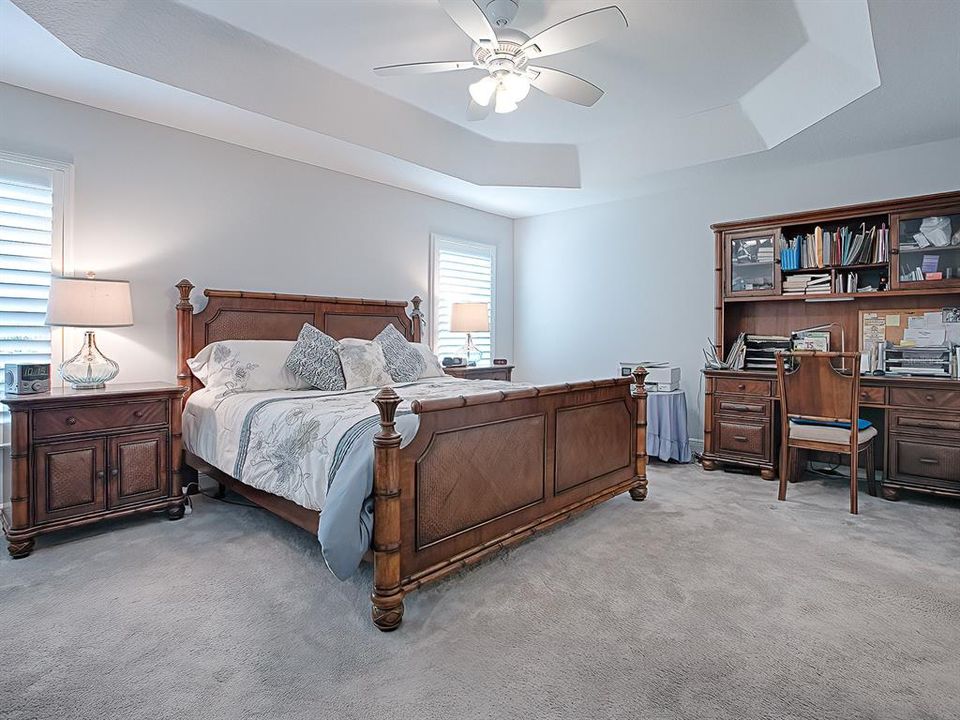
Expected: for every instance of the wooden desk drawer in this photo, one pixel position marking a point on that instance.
(67, 421)
(924, 459)
(872, 395)
(929, 425)
(739, 406)
(742, 438)
(744, 386)
(941, 399)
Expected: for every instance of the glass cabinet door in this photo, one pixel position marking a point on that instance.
(752, 267)
(928, 250)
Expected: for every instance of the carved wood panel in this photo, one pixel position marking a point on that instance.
(340, 325)
(69, 479)
(503, 459)
(591, 442)
(241, 324)
(138, 467)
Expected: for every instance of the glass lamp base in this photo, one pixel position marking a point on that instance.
(89, 369)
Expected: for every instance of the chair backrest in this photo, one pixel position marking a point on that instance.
(815, 388)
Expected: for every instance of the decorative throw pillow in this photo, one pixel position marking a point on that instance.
(363, 365)
(314, 358)
(431, 364)
(245, 366)
(404, 362)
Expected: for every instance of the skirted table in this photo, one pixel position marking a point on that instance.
(667, 436)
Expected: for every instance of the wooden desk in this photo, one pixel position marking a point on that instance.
(919, 446)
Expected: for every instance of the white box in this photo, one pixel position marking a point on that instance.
(662, 373)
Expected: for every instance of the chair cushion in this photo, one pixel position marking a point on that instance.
(828, 434)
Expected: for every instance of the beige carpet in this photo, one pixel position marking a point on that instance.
(710, 600)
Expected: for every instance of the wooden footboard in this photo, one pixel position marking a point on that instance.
(486, 471)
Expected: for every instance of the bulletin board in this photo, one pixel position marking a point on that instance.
(916, 325)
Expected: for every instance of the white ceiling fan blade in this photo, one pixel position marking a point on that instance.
(476, 111)
(576, 32)
(564, 86)
(471, 20)
(423, 68)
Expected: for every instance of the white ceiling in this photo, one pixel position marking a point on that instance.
(688, 84)
(661, 67)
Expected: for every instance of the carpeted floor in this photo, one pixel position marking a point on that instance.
(710, 600)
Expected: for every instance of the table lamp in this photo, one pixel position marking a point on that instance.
(89, 303)
(470, 318)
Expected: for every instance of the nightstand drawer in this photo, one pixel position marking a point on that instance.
(744, 386)
(67, 421)
(494, 372)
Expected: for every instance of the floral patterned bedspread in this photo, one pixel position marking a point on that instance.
(295, 443)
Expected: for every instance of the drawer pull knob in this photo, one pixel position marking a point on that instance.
(741, 386)
(71, 420)
(929, 461)
(138, 413)
(114, 472)
(740, 438)
(930, 398)
(100, 475)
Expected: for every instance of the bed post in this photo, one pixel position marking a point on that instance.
(639, 492)
(184, 336)
(416, 319)
(189, 479)
(387, 597)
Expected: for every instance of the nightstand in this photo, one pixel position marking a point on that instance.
(80, 456)
(485, 372)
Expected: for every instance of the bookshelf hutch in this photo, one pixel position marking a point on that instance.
(918, 418)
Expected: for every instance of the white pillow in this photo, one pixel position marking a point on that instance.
(432, 368)
(363, 364)
(246, 366)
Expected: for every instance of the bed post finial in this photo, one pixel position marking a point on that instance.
(387, 597)
(417, 320)
(640, 393)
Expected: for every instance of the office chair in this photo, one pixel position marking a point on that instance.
(819, 406)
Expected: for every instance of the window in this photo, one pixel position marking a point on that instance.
(461, 271)
(32, 198)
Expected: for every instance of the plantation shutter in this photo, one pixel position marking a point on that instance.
(26, 250)
(462, 272)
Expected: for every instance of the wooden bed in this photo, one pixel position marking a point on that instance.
(483, 472)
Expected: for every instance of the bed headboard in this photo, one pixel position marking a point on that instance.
(243, 315)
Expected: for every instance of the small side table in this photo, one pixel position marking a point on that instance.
(80, 456)
(667, 436)
(485, 372)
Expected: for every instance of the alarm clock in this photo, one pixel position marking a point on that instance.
(26, 378)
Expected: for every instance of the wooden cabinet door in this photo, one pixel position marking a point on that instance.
(138, 468)
(69, 479)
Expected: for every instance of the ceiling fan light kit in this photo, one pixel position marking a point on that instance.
(504, 54)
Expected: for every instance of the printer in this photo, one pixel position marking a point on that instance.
(661, 376)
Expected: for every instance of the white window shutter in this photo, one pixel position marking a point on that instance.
(26, 249)
(462, 272)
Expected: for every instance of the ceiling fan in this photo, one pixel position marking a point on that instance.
(506, 53)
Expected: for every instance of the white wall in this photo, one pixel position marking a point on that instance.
(153, 205)
(634, 280)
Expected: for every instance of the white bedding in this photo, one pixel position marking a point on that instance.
(285, 441)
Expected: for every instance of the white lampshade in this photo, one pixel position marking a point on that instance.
(469, 317)
(504, 103)
(89, 303)
(482, 90)
(516, 87)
